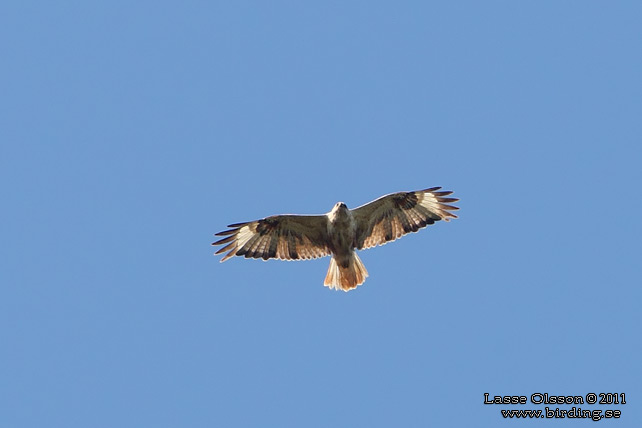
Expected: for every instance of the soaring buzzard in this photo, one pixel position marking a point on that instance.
(338, 233)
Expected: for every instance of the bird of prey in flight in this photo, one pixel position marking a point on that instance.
(338, 233)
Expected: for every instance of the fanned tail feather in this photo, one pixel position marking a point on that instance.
(347, 278)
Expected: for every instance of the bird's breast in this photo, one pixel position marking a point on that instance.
(341, 233)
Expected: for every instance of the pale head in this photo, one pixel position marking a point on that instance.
(340, 210)
(340, 206)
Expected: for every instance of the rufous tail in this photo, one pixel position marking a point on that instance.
(346, 278)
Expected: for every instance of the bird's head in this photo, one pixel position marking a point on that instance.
(340, 206)
(340, 210)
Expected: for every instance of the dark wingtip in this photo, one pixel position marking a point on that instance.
(440, 199)
(234, 228)
(228, 247)
(225, 232)
(224, 240)
(237, 224)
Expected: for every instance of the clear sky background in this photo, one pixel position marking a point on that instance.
(131, 132)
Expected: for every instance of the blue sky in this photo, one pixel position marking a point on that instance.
(132, 132)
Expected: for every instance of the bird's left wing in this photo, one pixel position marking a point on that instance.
(394, 215)
(285, 237)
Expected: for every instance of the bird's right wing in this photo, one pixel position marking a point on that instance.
(285, 237)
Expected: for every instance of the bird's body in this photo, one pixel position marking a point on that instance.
(338, 233)
(346, 268)
(341, 228)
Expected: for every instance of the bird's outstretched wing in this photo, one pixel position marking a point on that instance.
(394, 215)
(285, 237)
